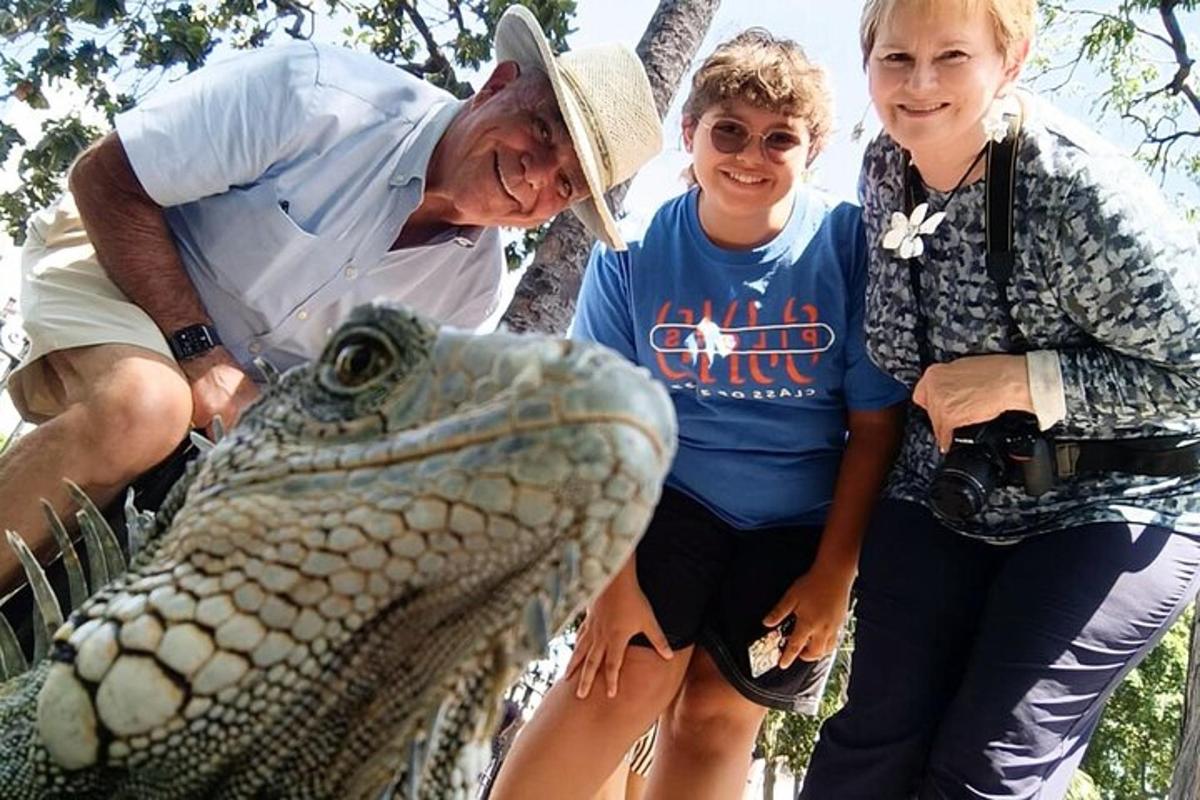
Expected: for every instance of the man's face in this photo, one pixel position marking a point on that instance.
(507, 159)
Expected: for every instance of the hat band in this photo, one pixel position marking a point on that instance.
(590, 119)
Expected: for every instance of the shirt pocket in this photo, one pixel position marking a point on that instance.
(257, 253)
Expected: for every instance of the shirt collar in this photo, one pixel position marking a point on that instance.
(417, 147)
(417, 150)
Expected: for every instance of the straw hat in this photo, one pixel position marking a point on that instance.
(605, 100)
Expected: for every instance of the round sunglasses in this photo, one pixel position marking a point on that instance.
(729, 136)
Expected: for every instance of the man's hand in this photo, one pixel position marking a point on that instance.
(970, 390)
(219, 388)
(618, 613)
(820, 599)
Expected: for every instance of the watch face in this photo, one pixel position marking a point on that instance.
(193, 341)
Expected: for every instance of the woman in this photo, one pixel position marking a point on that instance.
(744, 296)
(993, 623)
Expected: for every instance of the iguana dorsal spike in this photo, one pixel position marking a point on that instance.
(201, 442)
(109, 547)
(269, 372)
(77, 587)
(139, 525)
(12, 660)
(97, 565)
(47, 616)
(218, 429)
(416, 764)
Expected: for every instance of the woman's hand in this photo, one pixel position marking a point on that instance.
(820, 600)
(618, 613)
(971, 390)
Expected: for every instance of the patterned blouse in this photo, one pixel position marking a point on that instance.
(1106, 275)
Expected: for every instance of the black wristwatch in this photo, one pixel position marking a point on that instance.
(192, 341)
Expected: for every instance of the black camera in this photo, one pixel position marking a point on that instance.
(1007, 450)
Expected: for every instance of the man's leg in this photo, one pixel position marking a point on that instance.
(120, 410)
(705, 739)
(1070, 613)
(572, 746)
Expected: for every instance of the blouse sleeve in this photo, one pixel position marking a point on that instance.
(1128, 274)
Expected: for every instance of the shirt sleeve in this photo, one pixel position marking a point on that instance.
(1128, 274)
(603, 312)
(221, 126)
(867, 387)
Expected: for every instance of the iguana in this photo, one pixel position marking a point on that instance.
(341, 590)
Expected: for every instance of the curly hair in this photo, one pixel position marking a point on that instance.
(769, 73)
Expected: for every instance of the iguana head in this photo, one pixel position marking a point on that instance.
(357, 570)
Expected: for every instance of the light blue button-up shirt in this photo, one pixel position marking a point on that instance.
(287, 173)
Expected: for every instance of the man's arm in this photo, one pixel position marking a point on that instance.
(136, 249)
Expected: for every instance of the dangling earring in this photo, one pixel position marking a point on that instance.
(856, 132)
(995, 120)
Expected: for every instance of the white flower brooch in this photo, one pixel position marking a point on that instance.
(904, 234)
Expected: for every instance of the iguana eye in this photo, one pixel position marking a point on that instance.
(360, 358)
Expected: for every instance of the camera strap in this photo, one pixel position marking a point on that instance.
(1000, 183)
(1156, 456)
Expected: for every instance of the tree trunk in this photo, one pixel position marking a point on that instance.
(769, 779)
(1185, 783)
(545, 298)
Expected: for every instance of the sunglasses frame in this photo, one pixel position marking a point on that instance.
(773, 154)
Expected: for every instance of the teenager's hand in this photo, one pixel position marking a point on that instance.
(970, 390)
(219, 388)
(820, 600)
(618, 613)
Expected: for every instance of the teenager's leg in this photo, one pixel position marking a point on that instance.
(705, 739)
(920, 591)
(572, 746)
(1069, 614)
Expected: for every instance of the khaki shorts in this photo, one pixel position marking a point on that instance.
(68, 301)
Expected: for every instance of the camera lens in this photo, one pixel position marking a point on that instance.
(957, 495)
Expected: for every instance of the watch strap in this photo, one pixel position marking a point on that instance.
(192, 341)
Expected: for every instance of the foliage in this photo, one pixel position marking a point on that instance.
(1133, 752)
(113, 54)
(787, 738)
(1139, 49)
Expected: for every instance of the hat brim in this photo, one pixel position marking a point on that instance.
(519, 38)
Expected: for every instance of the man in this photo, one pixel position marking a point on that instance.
(243, 212)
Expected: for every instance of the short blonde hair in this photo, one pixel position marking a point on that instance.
(769, 73)
(1012, 20)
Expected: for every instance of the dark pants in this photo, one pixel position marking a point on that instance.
(980, 670)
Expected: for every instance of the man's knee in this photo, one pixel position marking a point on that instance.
(133, 420)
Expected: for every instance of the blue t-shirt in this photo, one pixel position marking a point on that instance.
(762, 351)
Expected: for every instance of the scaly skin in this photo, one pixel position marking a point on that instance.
(355, 573)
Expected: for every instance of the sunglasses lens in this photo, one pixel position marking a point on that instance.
(781, 142)
(729, 137)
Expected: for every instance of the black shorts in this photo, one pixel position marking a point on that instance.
(711, 584)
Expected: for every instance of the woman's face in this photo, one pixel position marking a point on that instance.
(933, 77)
(760, 174)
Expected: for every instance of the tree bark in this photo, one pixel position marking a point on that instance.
(1185, 783)
(768, 779)
(545, 298)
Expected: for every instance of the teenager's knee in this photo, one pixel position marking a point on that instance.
(708, 716)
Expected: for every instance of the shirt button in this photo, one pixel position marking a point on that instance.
(255, 348)
(351, 273)
(463, 241)
(302, 314)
